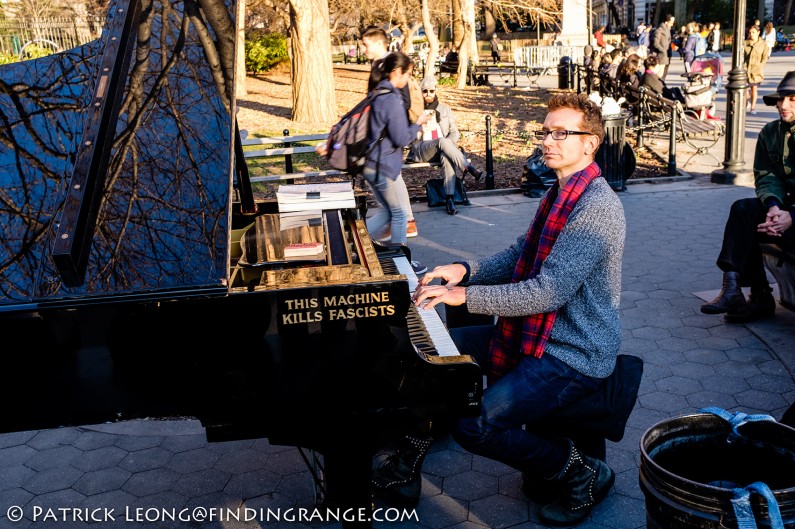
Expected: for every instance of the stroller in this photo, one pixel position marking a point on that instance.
(704, 80)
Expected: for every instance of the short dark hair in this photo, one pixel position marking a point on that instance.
(376, 33)
(591, 113)
(650, 62)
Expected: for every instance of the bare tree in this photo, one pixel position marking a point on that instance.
(536, 12)
(240, 49)
(468, 48)
(312, 74)
(433, 41)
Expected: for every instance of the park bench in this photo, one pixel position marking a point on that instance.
(655, 113)
(780, 262)
(291, 145)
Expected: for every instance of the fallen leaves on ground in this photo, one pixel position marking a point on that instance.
(513, 114)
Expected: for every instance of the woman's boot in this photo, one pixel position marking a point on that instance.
(584, 483)
(730, 297)
(450, 205)
(399, 478)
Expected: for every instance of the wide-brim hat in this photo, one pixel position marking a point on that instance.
(785, 88)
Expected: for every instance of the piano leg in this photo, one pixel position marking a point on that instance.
(347, 470)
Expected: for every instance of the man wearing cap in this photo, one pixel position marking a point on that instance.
(438, 143)
(764, 219)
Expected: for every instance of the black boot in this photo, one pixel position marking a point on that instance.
(585, 482)
(730, 297)
(761, 304)
(450, 205)
(539, 489)
(399, 479)
(477, 175)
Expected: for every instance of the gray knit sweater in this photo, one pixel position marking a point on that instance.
(581, 278)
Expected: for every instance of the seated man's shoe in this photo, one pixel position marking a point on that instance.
(450, 205)
(730, 297)
(411, 228)
(399, 479)
(761, 304)
(585, 481)
(477, 175)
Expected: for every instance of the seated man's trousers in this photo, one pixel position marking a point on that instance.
(441, 150)
(740, 251)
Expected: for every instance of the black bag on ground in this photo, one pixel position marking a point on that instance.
(537, 176)
(434, 191)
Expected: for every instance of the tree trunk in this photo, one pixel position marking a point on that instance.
(458, 25)
(312, 72)
(680, 13)
(657, 13)
(787, 11)
(240, 50)
(433, 40)
(468, 44)
(490, 26)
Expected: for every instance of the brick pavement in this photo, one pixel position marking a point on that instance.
(691, 361)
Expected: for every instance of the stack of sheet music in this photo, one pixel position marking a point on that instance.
(307, 197)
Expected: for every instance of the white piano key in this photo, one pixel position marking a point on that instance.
(430, 318)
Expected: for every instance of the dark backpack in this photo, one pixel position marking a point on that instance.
(347, 142)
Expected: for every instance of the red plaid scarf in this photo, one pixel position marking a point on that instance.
(515, 337)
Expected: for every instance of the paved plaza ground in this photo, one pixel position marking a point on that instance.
(691, 361)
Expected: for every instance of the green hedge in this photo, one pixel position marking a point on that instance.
(265, 52)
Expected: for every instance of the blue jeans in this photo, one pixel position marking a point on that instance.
(533, 389)
(393, 197)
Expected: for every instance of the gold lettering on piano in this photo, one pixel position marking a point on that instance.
(356, 299)
(332, 308)
(361, 312)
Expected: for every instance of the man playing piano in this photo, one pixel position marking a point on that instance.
(556, 293)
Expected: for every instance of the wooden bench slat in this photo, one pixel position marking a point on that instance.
(270, 140)
(266, 153)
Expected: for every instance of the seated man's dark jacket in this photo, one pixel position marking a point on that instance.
(774, 177)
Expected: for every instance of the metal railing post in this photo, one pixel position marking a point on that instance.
(672, 144)
(641, 104)
(489, 156)
(288, 158)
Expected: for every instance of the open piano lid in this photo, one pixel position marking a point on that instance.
(116, 160)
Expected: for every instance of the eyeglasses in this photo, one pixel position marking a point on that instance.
(558, 134)
(429, 91)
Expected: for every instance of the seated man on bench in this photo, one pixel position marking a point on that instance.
(556, 293)
(438, 142)
(767, 218)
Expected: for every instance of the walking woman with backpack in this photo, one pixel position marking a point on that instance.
(389, 132)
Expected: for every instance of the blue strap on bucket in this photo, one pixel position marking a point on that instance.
(742, 497)
(737, 419)
(741, 503)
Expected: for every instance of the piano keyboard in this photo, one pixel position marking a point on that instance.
(426, 329)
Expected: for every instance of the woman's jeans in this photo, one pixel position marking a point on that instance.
(393, 197)
(533, 389)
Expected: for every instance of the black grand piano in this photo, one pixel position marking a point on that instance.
(123, 193)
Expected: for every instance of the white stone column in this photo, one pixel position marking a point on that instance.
(575, 25)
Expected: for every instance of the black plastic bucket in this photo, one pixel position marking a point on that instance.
(690, 464)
